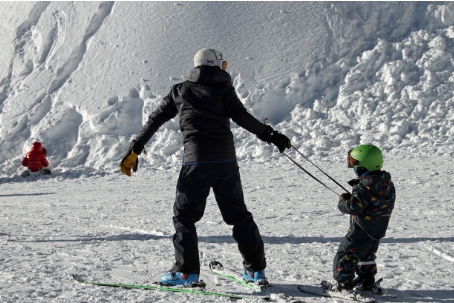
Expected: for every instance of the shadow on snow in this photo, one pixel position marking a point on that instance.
(227, 239)
(30, 194)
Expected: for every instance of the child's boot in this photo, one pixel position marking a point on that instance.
(347, 285)
(367, 281)
(348, 289)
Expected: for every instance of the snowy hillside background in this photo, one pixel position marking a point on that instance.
(82, 77)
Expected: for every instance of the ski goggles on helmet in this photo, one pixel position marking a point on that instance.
(219, 60)
(221, 63)
(351, 162)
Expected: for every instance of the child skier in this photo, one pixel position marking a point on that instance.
(370, 206)
(35, 160)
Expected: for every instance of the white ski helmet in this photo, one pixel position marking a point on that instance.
(208, 56)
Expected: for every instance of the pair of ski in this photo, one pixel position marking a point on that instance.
(217, 268)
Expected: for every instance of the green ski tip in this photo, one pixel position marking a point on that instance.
(164, 288)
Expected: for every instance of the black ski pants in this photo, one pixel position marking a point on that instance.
(357, 256)
(194, 184)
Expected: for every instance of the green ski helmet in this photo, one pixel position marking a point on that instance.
(366, 155)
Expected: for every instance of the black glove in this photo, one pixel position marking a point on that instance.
(346, 196)
(266, 134)
(281, 141)
(272, 136)
(130, 160)
(353, 182)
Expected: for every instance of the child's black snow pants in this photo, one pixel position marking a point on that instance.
(193, 187)
(355, 256)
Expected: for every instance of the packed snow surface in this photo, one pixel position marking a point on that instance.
(82, 78)
(118, 230)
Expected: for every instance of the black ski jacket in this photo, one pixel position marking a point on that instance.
(205, 103)
(370, 205)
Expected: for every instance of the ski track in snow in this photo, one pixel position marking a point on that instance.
(439, 253)
(23, 33)
(77, 55)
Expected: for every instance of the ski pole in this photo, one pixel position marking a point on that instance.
(320, 169)
(310, 174)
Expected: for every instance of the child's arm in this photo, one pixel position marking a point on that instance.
(25, 161)
(344, 203)
(345, 199)
(353, 204)
(44, 161)
(354, 182)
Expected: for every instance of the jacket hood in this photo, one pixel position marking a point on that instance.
(37, 146)
(208, 75)
(378, 182)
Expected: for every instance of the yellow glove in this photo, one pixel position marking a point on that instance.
(128, 162)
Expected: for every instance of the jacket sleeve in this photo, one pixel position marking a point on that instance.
(239, 114)
(44, 161)
(25, 161)
(166, 111)
(356, 204)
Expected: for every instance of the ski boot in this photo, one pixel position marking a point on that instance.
(347, 289)
(354, 293)
(257, 277)
(338, 286)
(173, 278)
(377, 289)
(368, 281)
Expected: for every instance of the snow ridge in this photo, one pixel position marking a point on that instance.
(83, 85)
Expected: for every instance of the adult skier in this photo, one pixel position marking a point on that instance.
(205, 103)
(370, 206)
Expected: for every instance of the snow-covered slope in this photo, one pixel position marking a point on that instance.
(82, 77)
